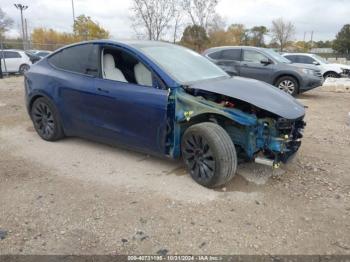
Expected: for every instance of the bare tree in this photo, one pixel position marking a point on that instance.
(282, 32)
(154, 16)
(5, 23)
(177, 21)
(201, 12)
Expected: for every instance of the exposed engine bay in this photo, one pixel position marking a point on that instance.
(257, 133)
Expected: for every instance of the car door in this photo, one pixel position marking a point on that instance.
(129, 113)
(230, 61)
(13, 61)
(73, 78)
(253, 66)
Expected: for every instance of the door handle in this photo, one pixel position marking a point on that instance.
(102, 90)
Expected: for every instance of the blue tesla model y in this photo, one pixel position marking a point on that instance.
(165, 100)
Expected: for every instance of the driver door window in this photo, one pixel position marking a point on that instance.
(120, 66)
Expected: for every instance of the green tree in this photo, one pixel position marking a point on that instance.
(342, 41)
(323, 44)
(257, 35)
(86, 29)
(195, 37)
(5, 23)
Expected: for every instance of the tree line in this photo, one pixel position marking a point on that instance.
(192, 23)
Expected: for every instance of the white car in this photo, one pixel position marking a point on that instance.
(14, 61)
(327, 69)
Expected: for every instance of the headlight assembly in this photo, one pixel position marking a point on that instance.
(307, 71)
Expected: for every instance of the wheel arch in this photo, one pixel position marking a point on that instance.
(330, 71)
(284, 75)
(23, 64)
(222, 120)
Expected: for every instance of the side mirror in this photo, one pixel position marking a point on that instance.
(265, 61)
(316, 63)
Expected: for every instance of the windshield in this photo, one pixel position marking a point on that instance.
(320, 59)
(276, 56)
(184, 65)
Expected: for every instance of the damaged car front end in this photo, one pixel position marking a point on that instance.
(214, 119)
(267, 130)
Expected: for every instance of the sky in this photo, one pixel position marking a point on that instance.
(324, 17)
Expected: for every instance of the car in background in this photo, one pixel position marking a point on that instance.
(266, 65)
(41, 53)
(36, 55)
(327, 69)
(14, 61)
(165, 100)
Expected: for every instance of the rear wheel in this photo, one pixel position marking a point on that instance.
(209, 154)
(23, 68)
(46, 120)
(288, 84)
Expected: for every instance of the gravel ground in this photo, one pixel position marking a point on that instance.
(79, 197)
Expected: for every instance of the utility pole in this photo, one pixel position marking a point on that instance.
(73, 12)
(26, 32)
(22, 8)
(312, 36)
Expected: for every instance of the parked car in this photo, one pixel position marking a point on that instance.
(327, 69)
(265, 65)
(165, 100)
(36, 55)
(41, 53)
(17, 61)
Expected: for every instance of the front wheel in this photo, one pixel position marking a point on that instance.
(209, 154)
(331, 75)
(288, 84)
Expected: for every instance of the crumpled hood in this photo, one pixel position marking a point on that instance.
(257, 93)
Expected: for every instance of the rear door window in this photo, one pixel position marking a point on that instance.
(83, 59)
(215, 55)
(305, 59)
(231, 54)
(292, 58)
(253, 56)
(11, 54)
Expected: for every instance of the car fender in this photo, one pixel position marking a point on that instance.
(332, 68)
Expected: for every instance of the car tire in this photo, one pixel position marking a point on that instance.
(46, 120)
(288, 84)
(331, 75)
(209, 154)
(23, 68)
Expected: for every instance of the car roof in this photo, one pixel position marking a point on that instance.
(220, 48)
(13, 50)
(134, 43)
(307, 54)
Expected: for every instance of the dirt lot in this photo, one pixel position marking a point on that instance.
(80, 197)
